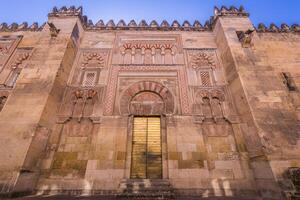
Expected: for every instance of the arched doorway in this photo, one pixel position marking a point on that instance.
(146, 104)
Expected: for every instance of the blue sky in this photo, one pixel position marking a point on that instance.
(266, 11)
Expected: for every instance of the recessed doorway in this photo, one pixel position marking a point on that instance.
(146, 156)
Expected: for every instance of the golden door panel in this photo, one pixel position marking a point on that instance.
(146, 148)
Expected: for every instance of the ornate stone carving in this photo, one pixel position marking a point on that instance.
(4, 48)
(148, 53)
(112, 85)
(13, 67)
(79, 94)
(7, 45)
(144, 50)
(93, 58)
(201, 59)
(89, 66)
(147, 98)
(79, 103)
(20, 59)
(209, 103)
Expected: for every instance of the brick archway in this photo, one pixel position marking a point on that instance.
(145, 88)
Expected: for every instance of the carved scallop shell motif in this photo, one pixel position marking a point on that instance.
(90, 58)
(201, 60)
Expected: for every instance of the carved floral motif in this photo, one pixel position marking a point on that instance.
(93, 58)
(201, 59)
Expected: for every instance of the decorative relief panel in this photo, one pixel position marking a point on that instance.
(202, 64)
(148, 50)
(201, 59)
(212, 105)
(151, 54)
(147, 98)
(7, 46)
(113, 84)
(12, 69)
(89, 67)
(80, 103)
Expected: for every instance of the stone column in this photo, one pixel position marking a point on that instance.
(228, 24)
(30, 111)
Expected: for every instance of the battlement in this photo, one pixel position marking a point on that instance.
(89, 25)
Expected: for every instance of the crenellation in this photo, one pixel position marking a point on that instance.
(284, 28)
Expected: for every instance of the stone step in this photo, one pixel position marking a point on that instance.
(149, 191)
(146, 189)
(145, 197)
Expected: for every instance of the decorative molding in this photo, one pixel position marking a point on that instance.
(147, 86)
(109, 101)
(147, 49)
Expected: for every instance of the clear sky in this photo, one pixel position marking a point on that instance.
(266, 11)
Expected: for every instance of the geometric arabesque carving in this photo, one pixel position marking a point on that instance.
(147, 98)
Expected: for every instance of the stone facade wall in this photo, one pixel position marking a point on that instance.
(229, 105)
